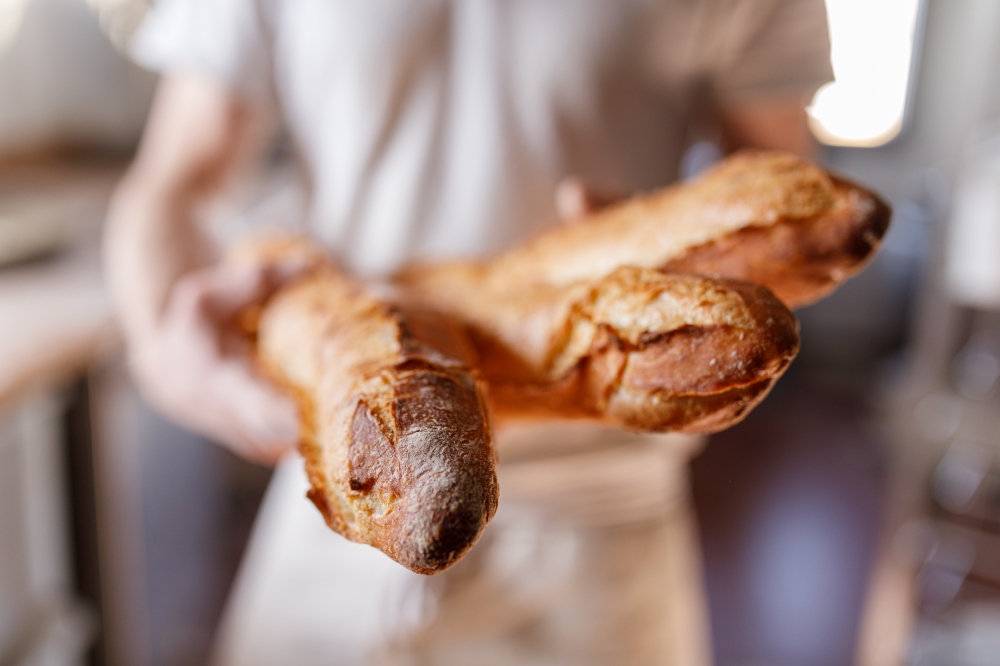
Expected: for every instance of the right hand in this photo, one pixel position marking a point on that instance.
(195, 366)
(576, 199)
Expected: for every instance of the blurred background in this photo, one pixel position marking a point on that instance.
(853, 518)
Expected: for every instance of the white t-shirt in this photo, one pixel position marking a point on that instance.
(440, 128)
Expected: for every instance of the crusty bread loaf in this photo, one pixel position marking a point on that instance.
(396, 435)
(580, 322)
(639, 348)
(602, 320)
(769, 218)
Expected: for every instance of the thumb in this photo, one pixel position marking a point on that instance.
(267, 419)
(222, 291)
(576, 199)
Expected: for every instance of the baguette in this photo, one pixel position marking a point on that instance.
(396, 436)
(603, 320)
(642, 349)
(548, 316)
(769, 218)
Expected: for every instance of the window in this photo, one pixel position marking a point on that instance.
(872, 51)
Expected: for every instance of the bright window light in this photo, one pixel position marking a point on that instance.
(871, 49)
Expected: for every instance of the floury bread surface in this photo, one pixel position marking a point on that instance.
(396, 435)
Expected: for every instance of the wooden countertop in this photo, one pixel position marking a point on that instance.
(55, 317)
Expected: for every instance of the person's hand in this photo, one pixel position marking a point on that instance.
(575, 199)
(194, 365)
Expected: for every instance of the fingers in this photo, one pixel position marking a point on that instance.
(264, 422)
(222, 291)
(571, 199)
(220, 397)
(575, 199)
(214, 294)
(186, 369)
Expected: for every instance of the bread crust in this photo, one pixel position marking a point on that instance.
(764, 217)
(396, 435)
(800, 260)
(602, 320)
(639, 348)
(549, 317)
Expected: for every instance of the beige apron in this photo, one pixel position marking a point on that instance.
(592, 558)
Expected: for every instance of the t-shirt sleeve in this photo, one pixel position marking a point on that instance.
(775, 48)
(742, 48)
(223, 39)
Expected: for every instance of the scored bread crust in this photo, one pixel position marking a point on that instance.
(800, 259)
(639, 348)
(769, 218)
(600, 320)
(396, 435)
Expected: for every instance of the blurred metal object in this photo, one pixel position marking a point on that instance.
(938, 416)
(119, 19)
(946, 498)
(971, 638)
(973, 261)
(959, 474)
(944, 571)
(944, 410)
(976, 367)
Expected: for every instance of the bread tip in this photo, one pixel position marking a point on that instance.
(430, 486)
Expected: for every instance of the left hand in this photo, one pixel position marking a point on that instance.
(195, 367)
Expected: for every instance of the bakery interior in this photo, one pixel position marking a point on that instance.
(853, 518)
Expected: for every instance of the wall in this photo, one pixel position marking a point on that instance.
(63, 84)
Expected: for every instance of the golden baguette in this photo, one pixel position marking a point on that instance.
(585, 321)
(396, 436)
(639, 348)
(769, 218)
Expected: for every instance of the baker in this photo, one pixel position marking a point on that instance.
(427, 130)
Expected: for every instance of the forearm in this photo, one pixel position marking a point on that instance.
(152, 237)
(779, 124)
(195, 135)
